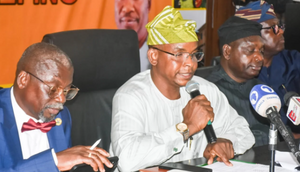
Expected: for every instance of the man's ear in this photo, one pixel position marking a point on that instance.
(22, 79)
(226, 50)
(152, 56)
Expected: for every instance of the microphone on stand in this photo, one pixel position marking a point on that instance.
(267, 104)
(292, 100)
(192, 88)
(272, 145)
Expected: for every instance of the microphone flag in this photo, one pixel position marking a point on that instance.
(293, 111)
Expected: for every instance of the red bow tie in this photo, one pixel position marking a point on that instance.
(44, 127)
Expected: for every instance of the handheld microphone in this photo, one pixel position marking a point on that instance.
(192, 88)
(267, 104)
(292, 100)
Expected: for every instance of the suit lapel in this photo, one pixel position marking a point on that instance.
(56, 136)
(10, 130)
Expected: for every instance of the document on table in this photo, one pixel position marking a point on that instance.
(286, 160)
(242, 166)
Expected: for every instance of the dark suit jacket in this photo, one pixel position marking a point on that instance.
(11, 158)
(238, 97)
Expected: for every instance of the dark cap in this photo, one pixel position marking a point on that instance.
(236, 28)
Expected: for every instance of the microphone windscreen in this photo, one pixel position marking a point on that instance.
(288, 96)
(191, 86)
(262, 97)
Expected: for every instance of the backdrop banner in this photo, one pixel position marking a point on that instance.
(24, 22)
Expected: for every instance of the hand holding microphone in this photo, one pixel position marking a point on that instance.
(198, 111)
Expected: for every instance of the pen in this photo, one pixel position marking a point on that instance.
(94, 145)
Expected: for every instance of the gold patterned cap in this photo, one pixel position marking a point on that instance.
(169, 27)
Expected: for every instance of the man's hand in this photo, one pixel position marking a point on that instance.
(197, 113)
(80, 154)
(222, 149)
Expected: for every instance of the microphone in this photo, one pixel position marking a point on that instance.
(292, 100)
(267, 104)
(192, 88)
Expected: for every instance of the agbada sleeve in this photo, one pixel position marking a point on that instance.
(135, 148)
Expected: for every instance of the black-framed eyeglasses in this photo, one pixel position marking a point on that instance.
(54, 91)
(275, 28)
(182, 56)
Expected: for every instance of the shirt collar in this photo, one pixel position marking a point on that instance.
(19, 113)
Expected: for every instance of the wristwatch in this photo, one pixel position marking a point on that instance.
(182, 128)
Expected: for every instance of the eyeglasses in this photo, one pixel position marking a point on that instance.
(182, 56)
(275, 28)
(54, 91)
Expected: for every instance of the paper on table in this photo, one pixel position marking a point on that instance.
(286, 160)
(242, 166)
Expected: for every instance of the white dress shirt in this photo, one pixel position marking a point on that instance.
(143, 124)
(33, 141)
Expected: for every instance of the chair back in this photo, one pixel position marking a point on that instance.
(215, 60)
(204, 71)
(103, 60)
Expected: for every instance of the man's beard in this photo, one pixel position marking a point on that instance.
(52, 116)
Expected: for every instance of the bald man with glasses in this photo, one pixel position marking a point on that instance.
(35, 127)
(281, 67)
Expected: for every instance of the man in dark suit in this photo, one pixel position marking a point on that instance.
(281, 67)
(242, 58)
(42, 85)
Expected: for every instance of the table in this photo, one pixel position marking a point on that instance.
(260, 154)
